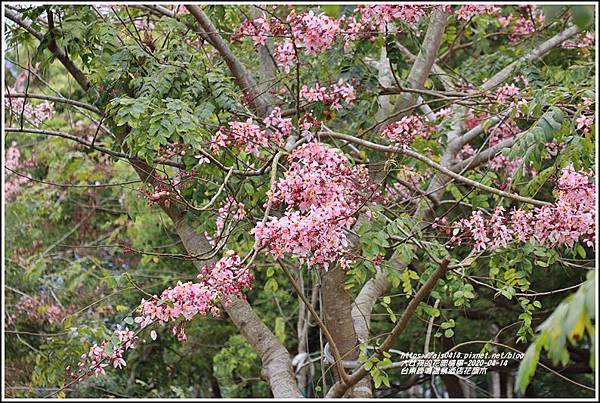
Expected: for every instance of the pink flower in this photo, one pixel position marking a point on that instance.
(584, 123)
(119, 363)
(245, 134)
(404, 131)
(285, 55)
(282, 126)
(218, 282)
(522, 25)
(316, 32)
(329, 96)
(322, 193)
(582, 40)
(469, 11)
(443, 113)
(571, 219)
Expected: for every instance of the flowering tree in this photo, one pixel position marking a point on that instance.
(344, 182)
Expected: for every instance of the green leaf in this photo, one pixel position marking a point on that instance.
(280, 329)
(377, 381)
(271, 285)
(527, 367)
(449, 333)
(332, 10)
(109, 348)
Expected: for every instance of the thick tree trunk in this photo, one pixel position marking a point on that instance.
(337, 311)
(277, 366)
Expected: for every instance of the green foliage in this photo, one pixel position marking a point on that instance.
(237, 368)
(572, 322)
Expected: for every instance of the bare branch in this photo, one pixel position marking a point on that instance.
(338, 389)
(53, 47)
(56, 99)
(425, 59)
(536, 53)
(435, 165)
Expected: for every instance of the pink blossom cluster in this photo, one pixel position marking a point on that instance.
(313, 32)
(322, 192)
(316, 33)
(309, 31)
(259, 29)
(101, 356)
(12, 181)
(506, 129)
(582, 40)
(404, 131)
(376, 16)
(587, 102)
(370, 20)
(219, 281)
(285, 55)
(584, 123)
(37, 309)
(276, 122)
(525, 24)
(501, 162)
(572, 218)
(443, 113)
(510, 95)
(250, 135)
(329, 96)
(231, 209)
(34, 114)
(469, 11)
(181, 9)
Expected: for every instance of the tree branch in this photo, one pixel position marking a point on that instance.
(338, 389)
(56, 99)
(83, 142)
(435, 165)
(536, 53)
(425, 59)
(52, 46)
(242, 78)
